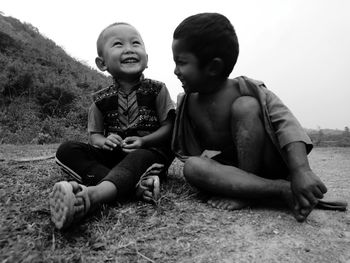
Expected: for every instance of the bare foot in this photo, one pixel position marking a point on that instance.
(227, 203)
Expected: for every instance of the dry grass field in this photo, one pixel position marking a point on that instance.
(181, 228)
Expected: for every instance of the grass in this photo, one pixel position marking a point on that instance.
(181, 228)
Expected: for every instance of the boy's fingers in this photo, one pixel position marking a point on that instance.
(116, 142)
(110, 143)
(311, 199)
(128, 146)
(303, 202)
(323, 188)
(305, 212)
(296, 203)
(301, 212)
(115, 137)
(106, 147)
(129, 140)
(318, 193)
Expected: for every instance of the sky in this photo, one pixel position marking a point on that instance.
(299, 48)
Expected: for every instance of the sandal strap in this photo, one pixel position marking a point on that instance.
(148, 173)
(332, 205)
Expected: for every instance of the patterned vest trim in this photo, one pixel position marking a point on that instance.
(108, 101)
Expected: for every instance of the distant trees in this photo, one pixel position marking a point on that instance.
(345, 140)
(327, 137)
(346, 131)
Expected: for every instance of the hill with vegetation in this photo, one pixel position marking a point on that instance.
(44, 93)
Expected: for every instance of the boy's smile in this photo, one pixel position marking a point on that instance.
(187, 67)
(124, 53)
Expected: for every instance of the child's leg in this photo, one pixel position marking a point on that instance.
(229, 181)
(85, 163)
(254, 150)
(236, 185)
(248, 133)
(70, 202)
(126, 174)
(122, 178)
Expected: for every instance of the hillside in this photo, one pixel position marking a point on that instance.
(44, 93)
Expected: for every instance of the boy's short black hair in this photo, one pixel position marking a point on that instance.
(100, 38)
(210, 35)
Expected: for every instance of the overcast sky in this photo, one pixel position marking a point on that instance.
(299, 48)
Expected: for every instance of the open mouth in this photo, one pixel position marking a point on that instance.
(182, 81)
(130, 60)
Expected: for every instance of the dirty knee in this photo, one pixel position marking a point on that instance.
(245, 106)
(192, 168)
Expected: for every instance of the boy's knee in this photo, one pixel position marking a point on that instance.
(245, 106)
(65, 149)
(192, 168)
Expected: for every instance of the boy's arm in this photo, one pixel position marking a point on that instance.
(107, 143)
(306, 186)
(96, 139)
(283, 123)
(96, 129)
(163, 134)
(166, 115)
(158, 137)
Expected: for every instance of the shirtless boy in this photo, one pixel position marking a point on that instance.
(240, 143)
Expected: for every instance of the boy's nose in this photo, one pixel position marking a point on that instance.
(128, 48)
(176, 71)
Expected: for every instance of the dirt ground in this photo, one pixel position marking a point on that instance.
(182, 228)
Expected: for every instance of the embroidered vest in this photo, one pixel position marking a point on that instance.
(139, 108)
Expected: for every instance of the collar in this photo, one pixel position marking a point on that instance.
(116, 83)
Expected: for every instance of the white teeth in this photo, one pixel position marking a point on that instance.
(130, 60)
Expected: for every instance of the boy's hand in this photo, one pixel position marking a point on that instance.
(132, 143)
(112, 141)
(307, 189)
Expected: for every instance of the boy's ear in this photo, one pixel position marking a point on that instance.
(215, 67)
(100, 63)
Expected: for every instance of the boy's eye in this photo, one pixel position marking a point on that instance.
(180, 62)
(136, 42)
(117, 43)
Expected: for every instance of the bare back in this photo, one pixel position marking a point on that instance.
(211, 115)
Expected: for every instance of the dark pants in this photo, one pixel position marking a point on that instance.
(90, 165)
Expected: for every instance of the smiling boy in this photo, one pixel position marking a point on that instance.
(130, 125)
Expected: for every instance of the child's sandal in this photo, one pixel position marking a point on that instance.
(332, 205)
(151, 173)
(64, 203)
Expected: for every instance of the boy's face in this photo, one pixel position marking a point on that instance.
(124, 53)
(187, 68)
